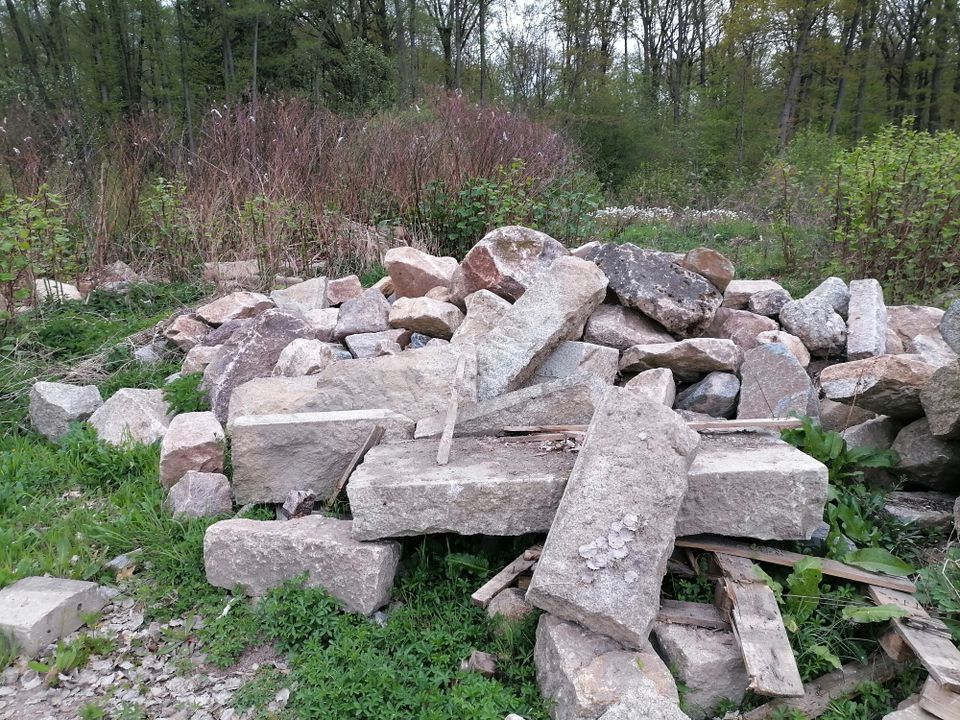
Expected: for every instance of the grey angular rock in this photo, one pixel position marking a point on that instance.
(199, 494)
(426, 315)
(878, 432)
(272, 396)
(950, 326)
(510, 604)
(54, 406)
(240, 273)
(657, 384)
(791, 342)
(866, 320)
(322, 322)
(887, 385)
(737, 294)
(261, 554)
(223, 333)
(252, 352)
(303, 357)
(768, 302)
(741, 326)
(274, 454)
(565, 401)
(908, 321)
(153, 353)
(689, 359)
(682, 301)
(714, 266)
(198, 358)
(302, 297)
(193, 441)
(484, 313)
(553, 308)
(643, 704)
(775, 385)
(577, 358)
(834, 292)
(606, 553)
(132, 415)
(933, 351)
(927, 460)
(235, 306)
(940, 399)
(48, 290)
(366, 314)
(838, 417)
(415, 272)
(817, 324)
(367, 345)
(921, 509)
(186, 332)
(619, 327)
(715, 395)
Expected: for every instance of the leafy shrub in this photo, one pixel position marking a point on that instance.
(898, 210)
(184, 394)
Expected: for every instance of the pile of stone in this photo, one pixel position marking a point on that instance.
(325, 385)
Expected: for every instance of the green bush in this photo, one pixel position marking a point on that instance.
(898, 211)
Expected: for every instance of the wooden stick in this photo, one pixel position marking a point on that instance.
(702, 615)
(939, 701)
(505, 577)
(759, 424)
(839, 684)
(446, 439)
(372, 439)
(542, 437)
(775, 556)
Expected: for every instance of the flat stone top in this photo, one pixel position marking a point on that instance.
(30, 599)
(472, 459)
(750, 452)
(317, 417)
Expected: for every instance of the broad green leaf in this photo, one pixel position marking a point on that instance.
(879, 613)
(879, 560)
(823, 652)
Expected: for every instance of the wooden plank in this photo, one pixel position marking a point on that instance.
(758, 424)
(775, 556)
(928, 637)
(539, 437)
(505, 577)
(758, 627)
(939, 701)
(372, 439)
(702, 615)
(839, 684)
(446, 438)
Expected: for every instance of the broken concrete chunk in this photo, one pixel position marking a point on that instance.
(261, 554)
(367, 345)
(619, 327)
(740, 326)
(927, 460)
(274, 454)
(303, 356)
(834, 292)
(200, 494)
(484, 312)
(775, 385)
(657, 384)
(488, 487)
(302, 297)
(940, 399)
(689, 360)
(366, 314)
(791, 342)
(426, 315)
(553, 308)
(866, 320)
(343, 289)
(817, 324)
(577, 358)
(415, 272)
(186, 332)
(921, 509)
(54, 406)
(887, 385)
(193, 441)
(715, 395)
(713, 265)
(38, 611)
(132, 415)
(738, 293)
(566, 401)
(235, 306)
(607, 550)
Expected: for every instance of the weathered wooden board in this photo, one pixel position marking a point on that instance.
(453, 407)
(372, 439)
(702, 615)
(939, 701)
(758, 424)
(505, 577)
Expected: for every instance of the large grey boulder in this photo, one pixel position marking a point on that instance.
(921, 509)
(553, 308)
(415, 272)
(484, 312)
(488, 487)
(582, 673)
(505, 262)
(752, 485)
(323, 322)
(834, 292)
(565, 401)
(606, 553)
(950, 326)
(577, 358)
(791, 342)
(866, 320)
(302, 297)
(272, 396)
(817, 324)
(48, 290)
(54, 406)
(887, 385)
(657, 384)
(738, 293)
(276, 454)
(927, 460)
(619, 327)
(741, 326)
(200, 494)
(304, 356)
(775, 385)
(368, 345)
(366, 314)
(235, 306)
(198, 357)
(940, 399)
(193, 441)
(132, 415)
(689, 359)
(257, 555)
(715, 395)
(769, 303)
(933, 351)
(644, 704)
(878, 432)
(427, 316)
(682, 301)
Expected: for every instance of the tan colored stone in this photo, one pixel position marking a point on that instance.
(791, 342)
(689, 359)
(235, 306)
(619, 327)
(887, 385)
(657, 384)
(427, 316)
(414, 272)
(186, 332)
(740, 326)
(343, 289)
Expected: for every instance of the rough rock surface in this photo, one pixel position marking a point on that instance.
(252, 352)
(505, 262)
(415, 272)
(322, 322)
(775, 385)
(261, 554)
(927, 460)
(921, 509)
(272, 396)
(689, 360)
(368, 345)
(950, 326)
(657, 384)
(37, 611)
(200, 494)
(343, 289)
(878, 432)
(488, 487)
(607, 550)
(791, 342)
(839, 416)
(302, 297)
(644, 704)
(933, 351)
(510, 604)
(683, 302)
(53, 406)
(554, 308)
(817, 324)
(186, 332)
(908, 321)
(576, 358)
(887, 385)
(366, 314)
(198, 358)
(132, 415)
(834, 292)
(484, 312)
(276, 454)
(47, 290)
(768, 302)
(303, 357)
(741, 326)
(240, 273)
(715, 395)
(235, 306)
(193, 441)
(738, 293)
(619, 327)
(866, 320)
(427, 316)
(223, 333)
(565, 401)
(940, 398)
(714, 266)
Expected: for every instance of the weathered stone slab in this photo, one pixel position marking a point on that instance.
(576, 358)
(775, 385)
(878, 432)
(689, 359)
(261, 554)
(53, 406)
(582, 673)
(186, 332)
(322, 322)
(707, 662)
(866, 320)
(415, 272)
(200, 494)
(838, 416)
(553, 308)
(752, 485)
(927, 460)
(713, 265)
(834, 292)
(768, 302)
(715, 395)
(738, 293)
(657, 384)
(305, 296)
(132, 415)
(791, 342)
(303, 356)
(565, 401)
(488, 487)
(740, 326)
(343, 289)
(887, 385)
(484, 313)
(908, 321)
(940, 399)
(933, 351)
(193, 441)
(606, 553)
(921, 509)
(38, 611)
(619, 327)
(273, 396)
(235, 306)
(275, 454)
(817, 324)
(682, 301)
(427, 316)
(366, 314)
(368, 345)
